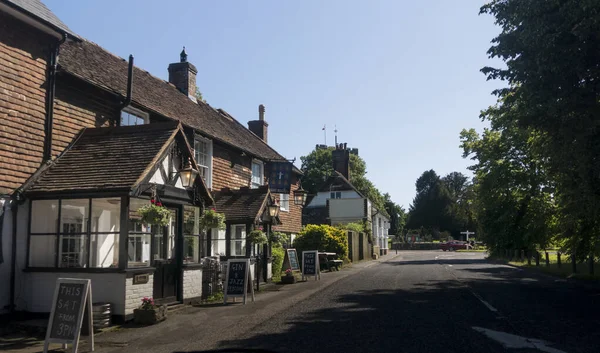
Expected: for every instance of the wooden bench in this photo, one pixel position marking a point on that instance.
(335, 264)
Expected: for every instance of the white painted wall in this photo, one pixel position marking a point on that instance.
(106, 287)
(346, 210)
(321, 198)
(135, 292)
(192, 283)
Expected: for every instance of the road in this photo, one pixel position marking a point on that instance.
(420, 301)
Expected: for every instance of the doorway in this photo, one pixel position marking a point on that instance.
(164, 255)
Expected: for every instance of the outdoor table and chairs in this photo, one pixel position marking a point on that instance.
(328, 261)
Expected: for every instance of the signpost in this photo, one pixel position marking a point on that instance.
(291, 260)
(238, 280)
(310, 264)
(468, 233)
(66, 317)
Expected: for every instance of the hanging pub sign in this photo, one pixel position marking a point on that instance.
(71, 298)
(291, 260)
(310, 264)
(238, 281)
(280, 176)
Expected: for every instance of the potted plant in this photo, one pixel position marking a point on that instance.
(149, 313)
(211, 219)
(289, 277)
(154, 214)
(256, 237)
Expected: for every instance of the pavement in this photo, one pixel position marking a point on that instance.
(417, 301)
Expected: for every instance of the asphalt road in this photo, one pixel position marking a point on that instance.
(420, 301)
(431, 301)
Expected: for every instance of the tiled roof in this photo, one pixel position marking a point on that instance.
(337, 182)
(315, 215)
(38, 10)
(92, 63)
(241, 205)
(106, 158)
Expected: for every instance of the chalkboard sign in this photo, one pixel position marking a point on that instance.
(292, 260)
(310, 264)
(238, 279)
(66, 317)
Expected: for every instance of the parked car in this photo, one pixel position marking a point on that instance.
(455, 245)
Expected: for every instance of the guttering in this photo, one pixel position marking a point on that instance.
(50, 93)
(28, 18)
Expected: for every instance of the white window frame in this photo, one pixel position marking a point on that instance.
(284, 202)
(209, 155)
(262, 174)
(233, 240)
(134, 111)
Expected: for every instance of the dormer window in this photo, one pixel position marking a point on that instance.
(203, 154)
(131, 116)
(257, 174)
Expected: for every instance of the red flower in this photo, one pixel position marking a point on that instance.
(152, 201)
(158, 203)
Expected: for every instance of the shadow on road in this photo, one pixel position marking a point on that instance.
(438, 261)
(436, 316)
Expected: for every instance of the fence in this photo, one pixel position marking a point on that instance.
(553, 261)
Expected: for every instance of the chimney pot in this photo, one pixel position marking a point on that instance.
(259, 127)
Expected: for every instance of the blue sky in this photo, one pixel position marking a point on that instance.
(399, 79)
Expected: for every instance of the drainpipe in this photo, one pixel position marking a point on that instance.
(13, 258)
(50, 92)
(127, 100)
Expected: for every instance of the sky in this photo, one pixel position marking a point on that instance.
(399, 79)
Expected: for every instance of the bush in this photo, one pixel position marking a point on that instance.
(278, 254)
(323, 238)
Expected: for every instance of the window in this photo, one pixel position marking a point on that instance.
(284, 202)
(131, 116)
(191, 234)
(63, 234)
(257, 174)
(335, 195)
(138, 240)
(203, 156)
(218, 242)
(238, 240)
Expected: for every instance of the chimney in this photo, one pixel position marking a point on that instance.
(259, 127)
(341, 159)
(183, 76)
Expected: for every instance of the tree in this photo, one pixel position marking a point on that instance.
(397, 215)
(199, 96)
(430, 207)
(317, 166)
(556, 100)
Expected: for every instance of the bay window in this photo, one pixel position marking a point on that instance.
(192, 243)
(138, 239)
(74, 233)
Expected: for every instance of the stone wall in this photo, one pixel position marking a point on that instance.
(135, 292)
(192, 284)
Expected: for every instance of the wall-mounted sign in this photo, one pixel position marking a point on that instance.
(71, 298)
(142, 278)
(238, 281)
(280, 177)
(310, 264)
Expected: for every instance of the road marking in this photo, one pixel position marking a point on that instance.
(492, 309)
(450, 265)
(517, 342)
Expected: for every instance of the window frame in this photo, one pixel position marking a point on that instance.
(233, 240)
(284, 199)
(209, 155)
(260, 163)
(334, 195)
(84, 237)
(134, 111)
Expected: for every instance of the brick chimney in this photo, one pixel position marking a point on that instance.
(259, 127)
(183, 76)
(341, 159)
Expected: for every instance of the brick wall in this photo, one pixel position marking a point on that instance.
(292, 220)
(78, 105)
(135, 292)
(192, 283)
(224, 175)
(22, 100)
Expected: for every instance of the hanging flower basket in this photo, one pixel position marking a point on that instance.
(211, 219)
(256, 237)
(154, 214)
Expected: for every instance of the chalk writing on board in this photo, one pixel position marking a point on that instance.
(67, 311)
(309, 267)
(236, 283)
(293, 257)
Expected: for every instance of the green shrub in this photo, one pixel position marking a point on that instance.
(278, 254)
(278, 238)
(323, 238)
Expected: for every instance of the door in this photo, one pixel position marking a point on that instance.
(167, 274)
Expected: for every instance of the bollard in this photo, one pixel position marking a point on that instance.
(547, 259)
(558, 259)
(537, 258)
(573, 263)
(591, 263)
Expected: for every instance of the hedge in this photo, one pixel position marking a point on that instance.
(323, 238)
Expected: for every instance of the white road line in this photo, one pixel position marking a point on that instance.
(517, 342)
(492, 309)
